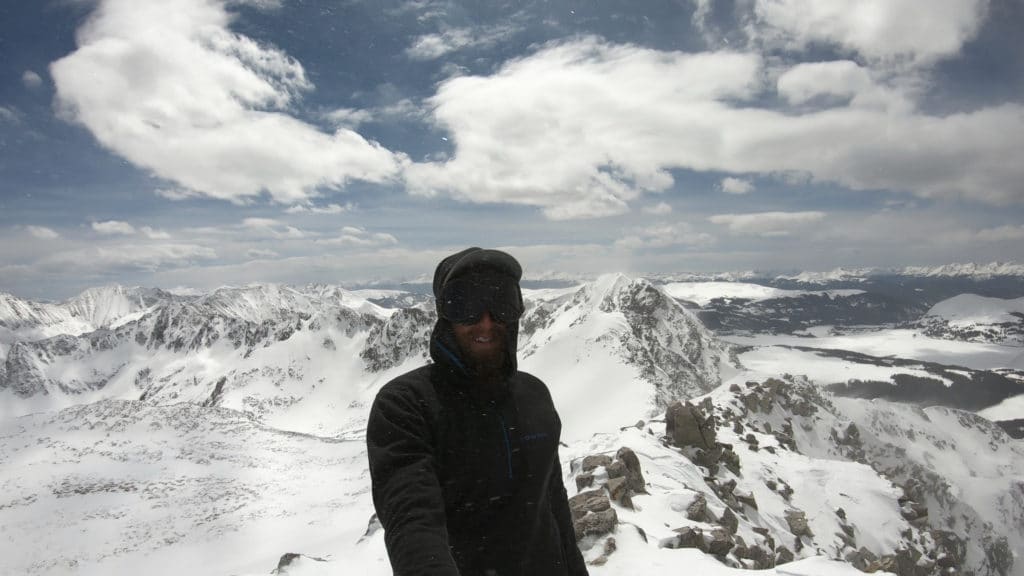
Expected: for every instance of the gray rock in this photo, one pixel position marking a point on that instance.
(616, 469)
(593, 461)
(746, 498)
(720, 542)
(618, 489)
(697, 509)
(589, 501)
(585, 480)
(634, 474)
(687, 425)
(687, 537)
(729, 521)
(783, 555)
(797, 521)
(595, 523)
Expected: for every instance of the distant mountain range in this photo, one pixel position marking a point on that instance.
(143, 424)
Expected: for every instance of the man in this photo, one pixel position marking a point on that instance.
(464, 451)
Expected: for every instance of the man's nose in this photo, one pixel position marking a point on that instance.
(486, 320)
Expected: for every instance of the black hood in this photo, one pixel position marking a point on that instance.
(443, 347)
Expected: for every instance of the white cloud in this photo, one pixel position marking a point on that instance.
(842, 78)
(433, 46)
(154, 234)
(258, 254)
(272, 228)
(514, 130)
(659, 209)
(661, 235)
(138, 257)
(168, 86)
(329, 209)
(565, 129)
(348, 117)
(767, 224)
(112, 227)
(1001, 234)
(915, 31)
(31, 80)
(352, 236)
(8, 115)
(176, 193)
(736, 185)
(42, 232)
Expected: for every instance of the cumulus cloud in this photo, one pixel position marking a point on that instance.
(767, 224)
(154, 234)
(272, 228)
(661, 235)
(176, 193)
(168, 86)
(736, 186)
(42, 232)
(353, 236)
(8, 115)
(31, 80)
(128, 257)
(915, 31)
(348, 117)
(257, 254)
(841, 78)
(113, 227)
(328, 209)
(659, 209)
(434, 46)
(565, 129)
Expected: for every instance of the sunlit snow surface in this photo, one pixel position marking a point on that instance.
(117, 486)
(703, 292)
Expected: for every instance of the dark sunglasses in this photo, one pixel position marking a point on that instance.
(464, 300)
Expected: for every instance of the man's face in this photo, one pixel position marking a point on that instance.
(482, 344)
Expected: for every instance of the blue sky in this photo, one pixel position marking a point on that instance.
(198, 143)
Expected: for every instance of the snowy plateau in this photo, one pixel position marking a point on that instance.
(801, 425)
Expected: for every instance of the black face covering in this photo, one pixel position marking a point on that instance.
(465, 299)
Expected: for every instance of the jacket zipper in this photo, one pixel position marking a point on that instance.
(508, 445)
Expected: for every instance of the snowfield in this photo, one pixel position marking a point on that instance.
(216, 433)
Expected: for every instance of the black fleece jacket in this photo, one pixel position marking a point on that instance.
(467, 481)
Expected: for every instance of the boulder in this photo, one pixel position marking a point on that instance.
(595, 523)
(688, 426)
(746, 498)
(729, 521)
(686, 537)
(634, 475)
(697, 509)
(594, 460)
(861, 559)
(619, 491)
(589, 501)
(797, 521)
(720, 542)
(783, 555)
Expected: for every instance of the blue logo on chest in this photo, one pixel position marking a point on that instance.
(535, 436)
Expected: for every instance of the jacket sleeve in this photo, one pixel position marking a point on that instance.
(405, 486)
(560, 507)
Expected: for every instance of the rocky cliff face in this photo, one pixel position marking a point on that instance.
(762, 474)
(634, 320)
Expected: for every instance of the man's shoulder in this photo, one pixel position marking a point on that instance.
(414, 382)
(530, 384)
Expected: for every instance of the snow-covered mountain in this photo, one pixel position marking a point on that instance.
(977, 319)
(140, 428)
